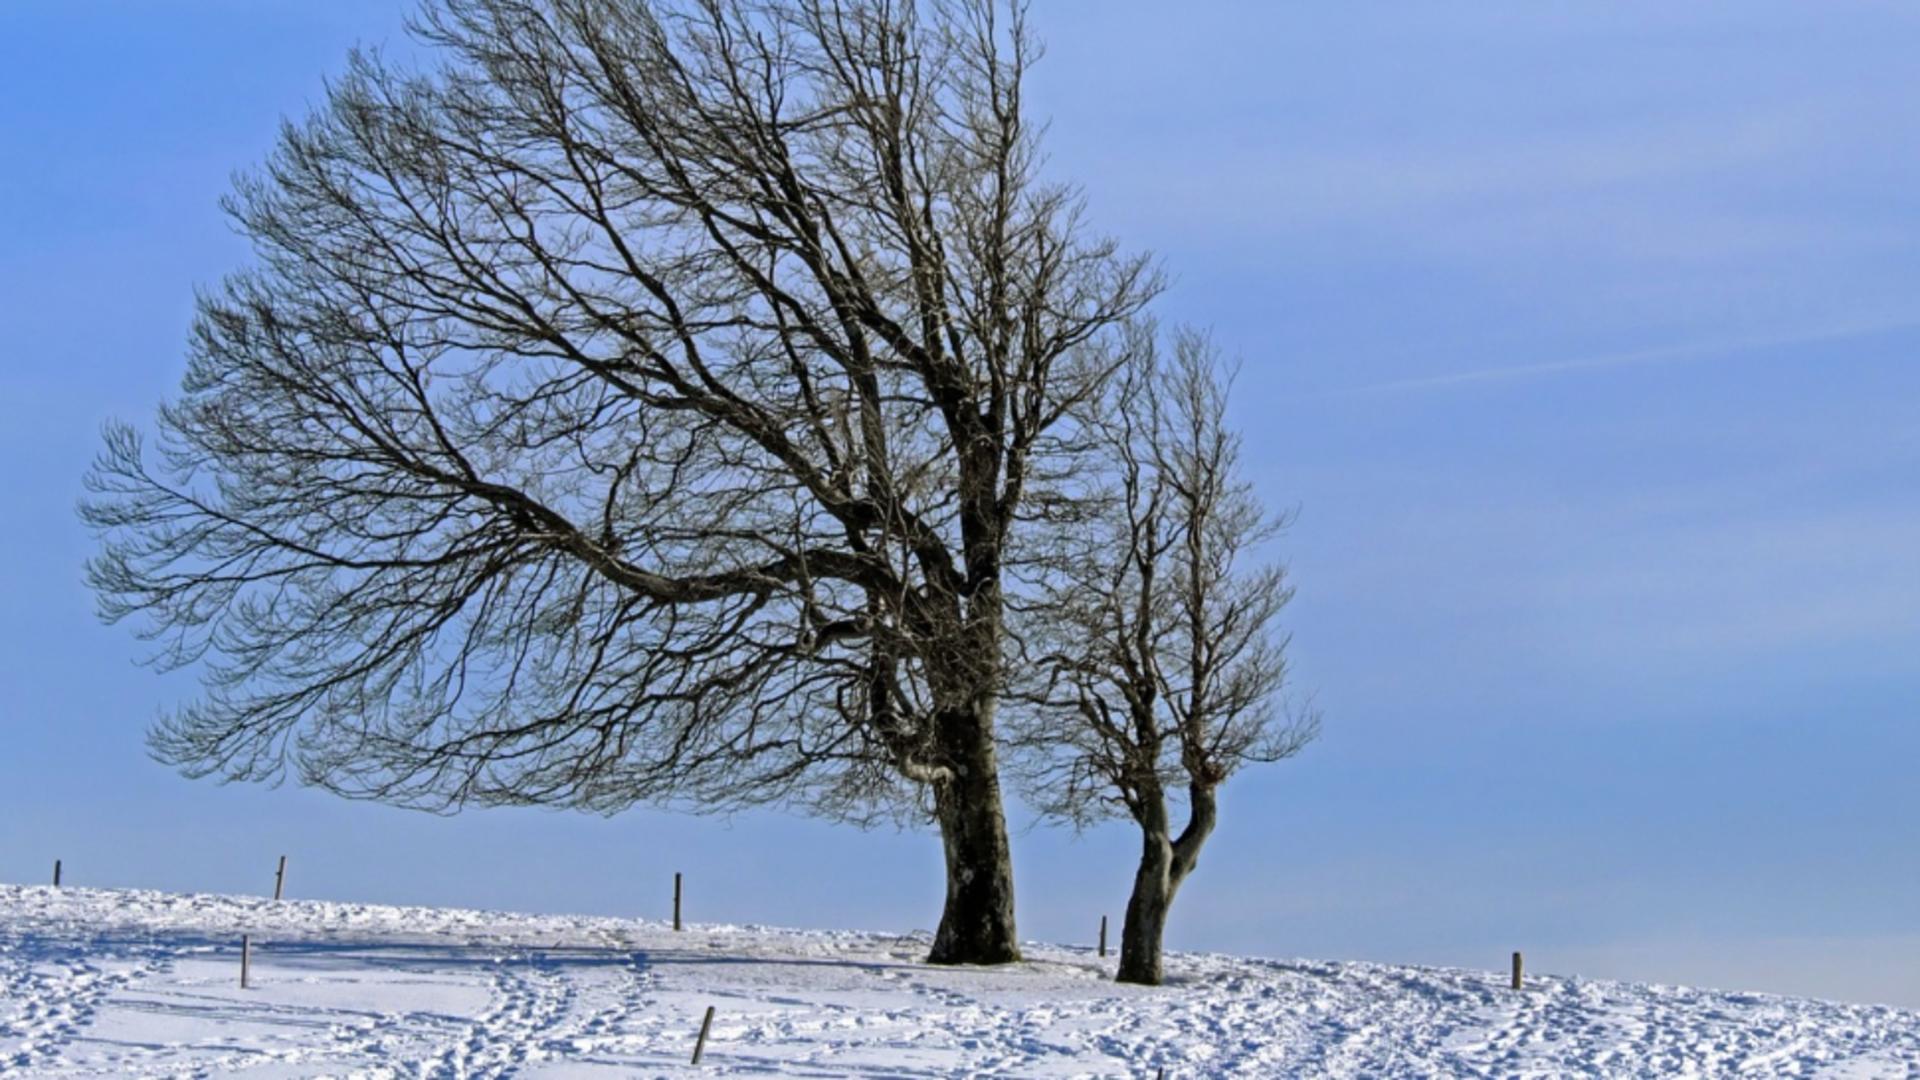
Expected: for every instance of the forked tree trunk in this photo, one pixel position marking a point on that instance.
(1164, 865)
(1146, 923)
(976, 926)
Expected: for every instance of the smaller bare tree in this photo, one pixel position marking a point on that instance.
(1157, 668)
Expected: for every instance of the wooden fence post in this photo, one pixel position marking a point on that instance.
(1516, 971)
(1103, 935)
(700, 1047)
(676, 900)
(56, 873)
(246, 959)
(280, 877)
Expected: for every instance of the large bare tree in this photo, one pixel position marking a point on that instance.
(636, 401)
(1157, 668)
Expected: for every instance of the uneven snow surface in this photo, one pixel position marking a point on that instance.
(106, 983)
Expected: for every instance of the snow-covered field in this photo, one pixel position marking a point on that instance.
(113, 983)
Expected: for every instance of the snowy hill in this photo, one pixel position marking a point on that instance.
(112, 983)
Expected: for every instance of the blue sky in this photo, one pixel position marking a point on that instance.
(1582, 335)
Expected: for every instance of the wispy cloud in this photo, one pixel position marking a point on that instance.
(1655, 356)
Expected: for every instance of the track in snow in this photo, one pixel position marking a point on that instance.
(142, 984)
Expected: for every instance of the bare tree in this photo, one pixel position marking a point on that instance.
(637, 404)
(1157, 666)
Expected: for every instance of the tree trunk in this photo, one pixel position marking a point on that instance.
(1146, 923)
(1164, 866)
(976, 926)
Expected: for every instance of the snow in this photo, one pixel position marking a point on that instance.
(145, 984)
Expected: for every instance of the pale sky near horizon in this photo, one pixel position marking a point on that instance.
(1582, 336)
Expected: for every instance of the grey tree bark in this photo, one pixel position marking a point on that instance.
(977, 921)
(1165, 863)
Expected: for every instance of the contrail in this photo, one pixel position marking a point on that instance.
(1662, 355)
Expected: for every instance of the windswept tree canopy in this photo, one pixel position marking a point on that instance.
(638, 404)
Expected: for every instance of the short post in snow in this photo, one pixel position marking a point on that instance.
(676, 900)
(56, 873)
(700, 1045)
(1516, 971)
(280, 877)
(1103, 935)
(246, 959)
